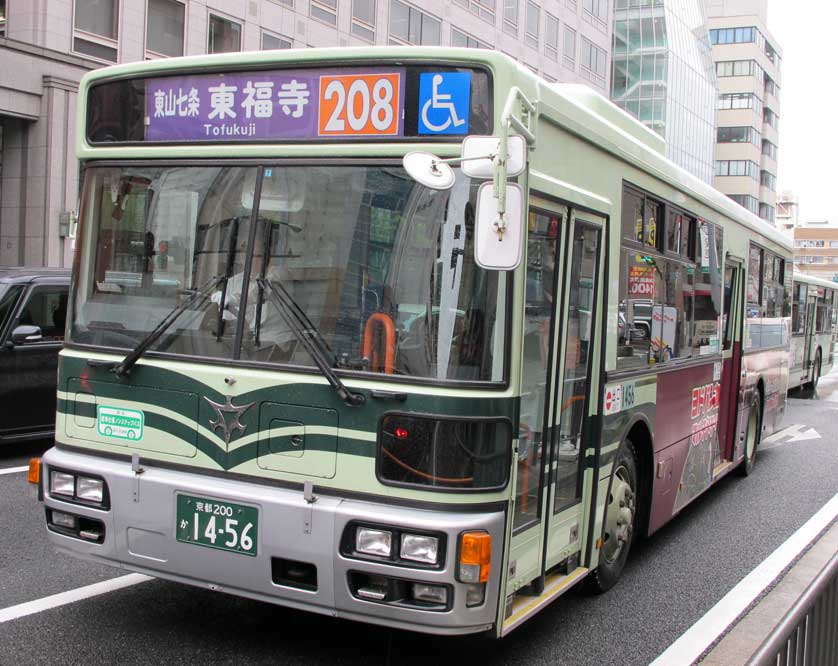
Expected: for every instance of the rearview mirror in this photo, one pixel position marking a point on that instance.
(478, 152)
(494, 250)
(25, 335)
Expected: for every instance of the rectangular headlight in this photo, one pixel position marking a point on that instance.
(61, 483)
(92, 490)
(420, 548)
(374, 542)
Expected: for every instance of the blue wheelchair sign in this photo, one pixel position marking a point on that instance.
(444, 102)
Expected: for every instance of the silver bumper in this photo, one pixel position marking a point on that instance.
(140, 535)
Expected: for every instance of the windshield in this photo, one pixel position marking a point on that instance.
(379, 269)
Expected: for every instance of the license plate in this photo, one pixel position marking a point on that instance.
(217, 524)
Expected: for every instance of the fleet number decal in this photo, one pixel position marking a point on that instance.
(619, 397)
(359, 104)
(120, 423)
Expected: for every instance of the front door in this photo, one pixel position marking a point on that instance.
(559, 375)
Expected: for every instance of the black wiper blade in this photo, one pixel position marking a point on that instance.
(198, 296)
(308, 337)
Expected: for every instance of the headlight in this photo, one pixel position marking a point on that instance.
(91, 490)
(374, 542)
(62, 484)
(419, 548)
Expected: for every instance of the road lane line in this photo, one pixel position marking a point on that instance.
(14, 470)
(70, 596)
(699, 637)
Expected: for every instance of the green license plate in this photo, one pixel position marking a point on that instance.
(217, 524)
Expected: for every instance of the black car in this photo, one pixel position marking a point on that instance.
(33, 312)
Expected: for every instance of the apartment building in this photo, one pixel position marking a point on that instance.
(663, 74)
(748, 65)
(816, 249)
(788, 212)
(46, 47)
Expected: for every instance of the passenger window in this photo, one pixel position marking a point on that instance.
(638, 284)
(632, 216)
(708, 291)
(798, 309)
(46, 308)
(8, 298)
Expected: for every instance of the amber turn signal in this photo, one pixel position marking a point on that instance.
(475, 557)
(34, 470)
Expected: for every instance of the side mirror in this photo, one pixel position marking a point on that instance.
(476, 162)
(493, 249)
(25, 335)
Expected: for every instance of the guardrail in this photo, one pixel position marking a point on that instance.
(808, 634)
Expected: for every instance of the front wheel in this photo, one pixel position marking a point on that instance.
(620, 520)
(752, 437)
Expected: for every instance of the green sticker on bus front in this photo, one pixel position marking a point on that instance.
(120, 423)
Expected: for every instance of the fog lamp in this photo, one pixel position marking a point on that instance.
(420, 548)
(61, 483)
(62, 519)
(475, 594)
(91, 490)
(374, 542)
(434, 594)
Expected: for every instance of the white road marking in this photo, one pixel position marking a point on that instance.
(795, 433)
(70, 596)
(694, 641)
(14, 470)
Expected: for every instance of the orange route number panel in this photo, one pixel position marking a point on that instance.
(360, 104)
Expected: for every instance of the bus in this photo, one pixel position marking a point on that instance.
(813, 319)
(357, 331)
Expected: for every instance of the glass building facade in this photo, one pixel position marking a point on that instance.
(663, 74)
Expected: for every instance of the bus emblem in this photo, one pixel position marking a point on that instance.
(227, 427)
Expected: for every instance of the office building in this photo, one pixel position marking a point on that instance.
(816, 249)
(46, 47)
(662, 73)
(748, 63)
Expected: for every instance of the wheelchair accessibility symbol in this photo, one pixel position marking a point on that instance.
(444, 102)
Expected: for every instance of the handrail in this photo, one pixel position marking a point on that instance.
(785, 638)
(390, 342)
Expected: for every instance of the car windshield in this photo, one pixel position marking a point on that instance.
(379, 267)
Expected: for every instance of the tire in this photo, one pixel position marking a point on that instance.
(618, 528)
(752, 436)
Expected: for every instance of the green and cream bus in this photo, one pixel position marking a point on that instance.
(358, 331)
(813, 319)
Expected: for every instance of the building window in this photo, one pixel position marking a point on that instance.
(551, 36)
(164, 28)
(2, 18)
(771, 87)
(737, 168)
(737, 101)
(224, 35)
(814, 243)
(363, 19)
(596, 12)
(460, 38)
(485, 9)
(746, 201)
(769, 149)
(744, 134)
(725, 68)
(733, 35)
(272, 42)
(768, 179)
(569, 48)
(324, 10)
(96, 29)
(510, 16)
(408, 25)
(533, 16)
(593, 61)
(771, 118)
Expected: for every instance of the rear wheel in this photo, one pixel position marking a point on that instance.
(816, 374)
(620, 519)
(752, 437)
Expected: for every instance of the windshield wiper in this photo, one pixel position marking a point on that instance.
(310, 338)
(198, 296)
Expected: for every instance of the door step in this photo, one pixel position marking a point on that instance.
(722, 468)
(525, 606)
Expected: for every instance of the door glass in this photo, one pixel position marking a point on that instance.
(728, 303)
(574, 387)
(538, 317)
(46, 308)
(8, 298)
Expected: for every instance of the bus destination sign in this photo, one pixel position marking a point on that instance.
(288, 104)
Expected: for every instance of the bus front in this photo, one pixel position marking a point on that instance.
(286, 377)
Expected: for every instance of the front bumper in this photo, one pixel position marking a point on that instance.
(139, 534)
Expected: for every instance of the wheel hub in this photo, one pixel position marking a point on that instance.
(619, 517)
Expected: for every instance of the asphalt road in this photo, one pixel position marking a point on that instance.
(670, 582)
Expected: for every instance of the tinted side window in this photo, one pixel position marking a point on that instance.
(46, 307)
(8, 299)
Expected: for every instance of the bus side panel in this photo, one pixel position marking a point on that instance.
(797, 373)
(686, 438)
(767, 371)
